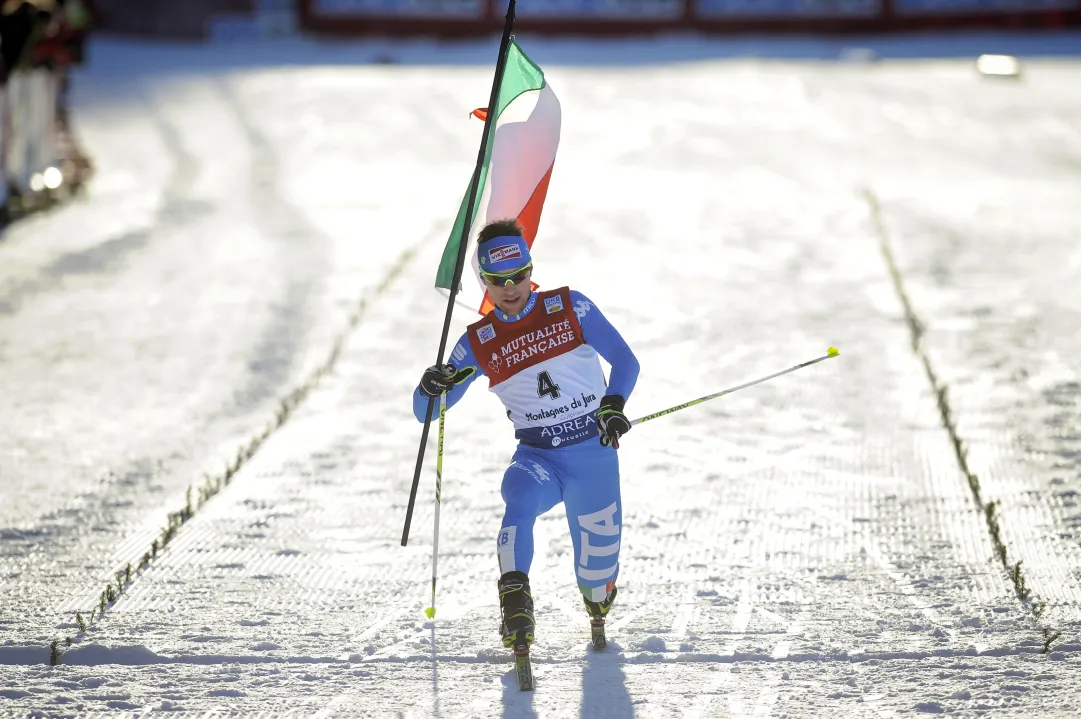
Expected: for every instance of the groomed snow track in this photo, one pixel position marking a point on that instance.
(210, 356)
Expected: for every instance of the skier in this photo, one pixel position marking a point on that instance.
(539, 351)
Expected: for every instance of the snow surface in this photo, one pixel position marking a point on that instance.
(808, 547)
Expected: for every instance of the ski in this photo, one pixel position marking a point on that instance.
(523, 668)
(597, 635)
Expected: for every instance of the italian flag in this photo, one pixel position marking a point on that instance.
(520, 151)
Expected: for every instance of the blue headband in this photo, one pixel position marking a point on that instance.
(503, 255)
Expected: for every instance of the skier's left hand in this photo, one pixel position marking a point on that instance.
(611, 421)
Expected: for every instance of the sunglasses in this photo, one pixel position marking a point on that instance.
(512, 278)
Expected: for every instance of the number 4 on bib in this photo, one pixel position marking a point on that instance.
(546, 387)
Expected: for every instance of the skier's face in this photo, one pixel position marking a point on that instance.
(511, 294)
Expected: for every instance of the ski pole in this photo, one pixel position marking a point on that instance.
(430, 611)
(833, 352)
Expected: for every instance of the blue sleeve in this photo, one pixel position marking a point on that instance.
(461, 356)
(599, 334)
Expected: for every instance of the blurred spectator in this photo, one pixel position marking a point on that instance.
(40, 40)
(21, 20)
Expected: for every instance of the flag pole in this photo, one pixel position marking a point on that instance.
(463, 244)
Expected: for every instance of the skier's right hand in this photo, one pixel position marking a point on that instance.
(438, 379)
(611, 422)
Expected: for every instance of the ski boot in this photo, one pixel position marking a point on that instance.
(597, 613)
(518, 626)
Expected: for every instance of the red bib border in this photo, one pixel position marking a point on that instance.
(504, 349)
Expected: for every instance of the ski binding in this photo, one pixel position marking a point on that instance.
(597, 637)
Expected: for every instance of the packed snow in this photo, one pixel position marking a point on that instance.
(841, 541)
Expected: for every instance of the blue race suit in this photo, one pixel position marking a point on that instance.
(544, 367)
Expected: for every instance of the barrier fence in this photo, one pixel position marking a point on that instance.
(613, 17)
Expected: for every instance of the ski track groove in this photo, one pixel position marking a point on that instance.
(176, 210)
(194, 539)
(1051, 583)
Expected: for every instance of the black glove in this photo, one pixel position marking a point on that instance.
(436, 380)
(611, 421)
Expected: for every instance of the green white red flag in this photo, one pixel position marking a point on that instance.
(521, 150)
